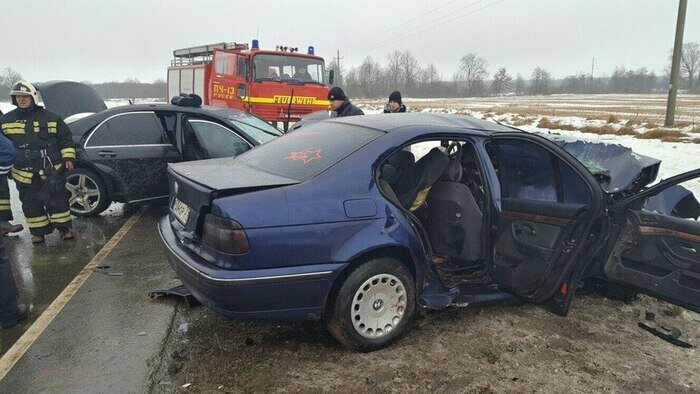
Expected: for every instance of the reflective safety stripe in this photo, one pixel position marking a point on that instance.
(52, 130)
(285, 100)
(22, 176)
(68, 153)
(51, 124)
(5, 207)
(4, 204)
(13, 131)
(63, 217)
(36, 127)
(37, 221)
(56, 166)
(12, 125)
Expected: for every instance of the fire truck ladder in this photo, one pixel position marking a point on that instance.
(202, 54)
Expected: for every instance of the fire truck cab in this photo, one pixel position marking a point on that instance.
(278, 85)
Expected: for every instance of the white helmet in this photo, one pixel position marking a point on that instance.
(24, 88)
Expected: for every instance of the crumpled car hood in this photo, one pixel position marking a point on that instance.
(618, 169)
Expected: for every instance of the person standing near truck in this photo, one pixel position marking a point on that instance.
(341, 105)
(44, 152)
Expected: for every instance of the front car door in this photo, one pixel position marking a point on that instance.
(549, 219)
(134, 149)
(655, 241)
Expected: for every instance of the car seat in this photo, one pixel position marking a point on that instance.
(413, 185)
(455, 221)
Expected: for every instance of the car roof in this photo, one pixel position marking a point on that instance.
(394, 122)
(81, 126)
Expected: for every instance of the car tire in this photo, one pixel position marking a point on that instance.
(373, 306)
(86, 188)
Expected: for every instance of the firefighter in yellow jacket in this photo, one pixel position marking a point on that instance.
(45, 151)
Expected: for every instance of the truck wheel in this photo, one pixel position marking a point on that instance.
(88, 194)
(373, 306)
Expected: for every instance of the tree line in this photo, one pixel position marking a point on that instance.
(129, 88)
(402, 71)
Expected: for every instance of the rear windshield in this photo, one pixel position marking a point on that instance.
(303, 154)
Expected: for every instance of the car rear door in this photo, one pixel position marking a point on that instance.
(549, 222)
(655, 242)
(134, 149)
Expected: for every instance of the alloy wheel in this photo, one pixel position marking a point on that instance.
(85, 194)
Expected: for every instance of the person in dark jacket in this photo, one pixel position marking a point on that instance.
(5, 207)
(45, 151)
(394, 105)
(11, 313)
(341, 105)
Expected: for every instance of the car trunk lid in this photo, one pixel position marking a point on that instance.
(194, 185)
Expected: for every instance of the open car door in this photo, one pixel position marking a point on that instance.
(655, 242)
(551, 220)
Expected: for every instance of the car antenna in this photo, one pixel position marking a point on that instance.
(289, 108)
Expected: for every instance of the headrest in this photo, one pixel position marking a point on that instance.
(402, 159)
(388, 172)
(453, 172)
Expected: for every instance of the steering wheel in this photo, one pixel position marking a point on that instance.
(454, 150)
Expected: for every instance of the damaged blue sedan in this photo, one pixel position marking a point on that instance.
(360, 221)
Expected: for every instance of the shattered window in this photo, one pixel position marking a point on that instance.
(525, 171)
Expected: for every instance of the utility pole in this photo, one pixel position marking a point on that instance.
(337, 62)
(676, 64)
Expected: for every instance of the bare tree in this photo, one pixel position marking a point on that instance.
(369, 78)
(520, 85)
(410, 69)
(502, 82)
(393, 70)
(540, 81)
(473, 69)
(690, 64)
(9, 77)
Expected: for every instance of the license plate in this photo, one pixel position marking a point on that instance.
(180, 210)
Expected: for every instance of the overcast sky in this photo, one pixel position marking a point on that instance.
(113, 40)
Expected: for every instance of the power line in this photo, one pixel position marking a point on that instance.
(411, 34)
(401, 24)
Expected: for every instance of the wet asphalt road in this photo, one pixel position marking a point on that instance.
(109, 334)
(43, 271)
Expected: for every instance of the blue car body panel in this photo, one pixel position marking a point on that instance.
(305, 234)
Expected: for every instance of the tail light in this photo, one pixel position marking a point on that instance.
(224, 235)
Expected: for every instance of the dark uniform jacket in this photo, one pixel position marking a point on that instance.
(37, 133)
(402, 108)
(347, 109)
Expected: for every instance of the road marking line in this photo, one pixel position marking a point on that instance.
(32, 334)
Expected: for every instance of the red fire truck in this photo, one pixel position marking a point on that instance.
(278, 85)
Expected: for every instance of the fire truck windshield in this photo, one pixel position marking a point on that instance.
(288, 68)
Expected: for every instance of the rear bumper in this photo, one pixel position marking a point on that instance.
(288, 293)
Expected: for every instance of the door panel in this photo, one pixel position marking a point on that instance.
(530, 241)
(657, 253)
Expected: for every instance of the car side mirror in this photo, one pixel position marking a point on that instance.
(241, 91)
(331, 76)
